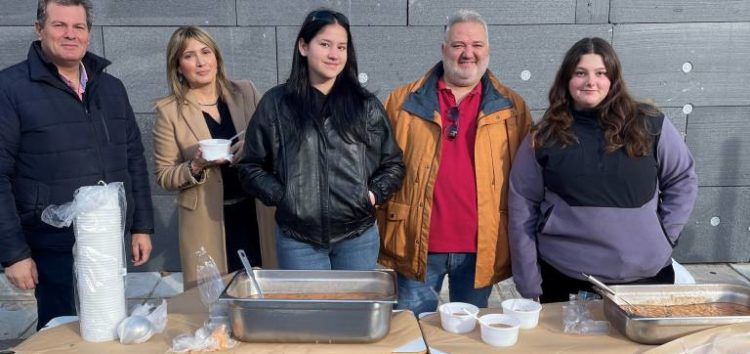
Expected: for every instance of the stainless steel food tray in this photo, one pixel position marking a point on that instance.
(300, 320)
(658, 330)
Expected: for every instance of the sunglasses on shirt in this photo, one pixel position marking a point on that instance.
(452, 131)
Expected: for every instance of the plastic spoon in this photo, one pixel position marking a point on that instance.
(466, 311)
(236, 135)
(249, 270)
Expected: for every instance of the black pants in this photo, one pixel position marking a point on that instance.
(557, 286)
(241, 228)
(54, 293)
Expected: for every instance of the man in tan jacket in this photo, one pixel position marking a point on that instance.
(459, 128)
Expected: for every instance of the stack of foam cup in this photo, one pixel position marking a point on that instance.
(99, 266)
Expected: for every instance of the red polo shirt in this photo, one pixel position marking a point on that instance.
(453, 224)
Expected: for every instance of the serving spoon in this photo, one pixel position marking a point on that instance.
(604, 287)
(249, 270)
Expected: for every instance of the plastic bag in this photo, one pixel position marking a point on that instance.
(210, 284)
(206, 339)
(98, 216)
(145, 321)
(86, 199)
(156, 314)
(681, 274)
(577, 318)
(215, 333)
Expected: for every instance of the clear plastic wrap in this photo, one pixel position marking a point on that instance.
(206, 339)
(577, 318)
(210, 284)
(145, 321)
(97, 214)
(681, 274)
(86, 199)
(215, 333)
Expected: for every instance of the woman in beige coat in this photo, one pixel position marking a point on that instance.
(214, 212)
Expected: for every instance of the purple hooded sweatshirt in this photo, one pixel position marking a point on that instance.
(614, 243)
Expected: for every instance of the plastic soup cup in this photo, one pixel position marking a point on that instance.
(455, 320)
(499, 330)
(527, 311)
(215, 149)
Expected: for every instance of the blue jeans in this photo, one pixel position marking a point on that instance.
(358, 253)
(421, 297)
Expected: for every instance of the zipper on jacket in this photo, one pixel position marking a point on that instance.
(104, 121)
(493, 158)
(363, 172)
(90, 120)
(325, 224)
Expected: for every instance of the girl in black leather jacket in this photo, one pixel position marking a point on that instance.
(320, 149)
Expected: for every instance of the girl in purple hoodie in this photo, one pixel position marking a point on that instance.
(603, 185)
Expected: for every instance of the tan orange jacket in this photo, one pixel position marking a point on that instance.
(404, 220)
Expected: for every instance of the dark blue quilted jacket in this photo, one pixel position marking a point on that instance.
(51, 143)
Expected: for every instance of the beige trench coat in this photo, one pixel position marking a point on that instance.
(200, 203)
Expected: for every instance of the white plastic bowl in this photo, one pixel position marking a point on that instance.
(499, 330)
(455, 320)
(527, 311)
(215, 149)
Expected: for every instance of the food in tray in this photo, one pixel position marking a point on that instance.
(323, 296)
(710, 309)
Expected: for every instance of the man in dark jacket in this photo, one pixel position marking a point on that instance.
(64, 123)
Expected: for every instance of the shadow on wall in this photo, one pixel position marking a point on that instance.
(711, 233)
(723, 225)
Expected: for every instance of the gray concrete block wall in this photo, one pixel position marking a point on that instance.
(164, 13)
(679, 11)
(436, 12)
(690, 57)
(292, 12)
(703, 64)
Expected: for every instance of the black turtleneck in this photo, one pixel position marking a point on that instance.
(584, 174)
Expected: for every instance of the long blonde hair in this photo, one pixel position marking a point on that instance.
(178, 86)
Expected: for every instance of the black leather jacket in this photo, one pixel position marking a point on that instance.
(318, 182)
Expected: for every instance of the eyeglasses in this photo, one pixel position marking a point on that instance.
(452, 132)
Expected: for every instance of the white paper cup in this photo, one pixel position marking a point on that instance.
(499, 330)
(527, 311)
(215, 149)
(455, 320)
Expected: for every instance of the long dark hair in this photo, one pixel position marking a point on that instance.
(346, 101)
(622, 118)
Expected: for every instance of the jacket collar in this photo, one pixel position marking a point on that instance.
(42, 69)
(423, 102)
